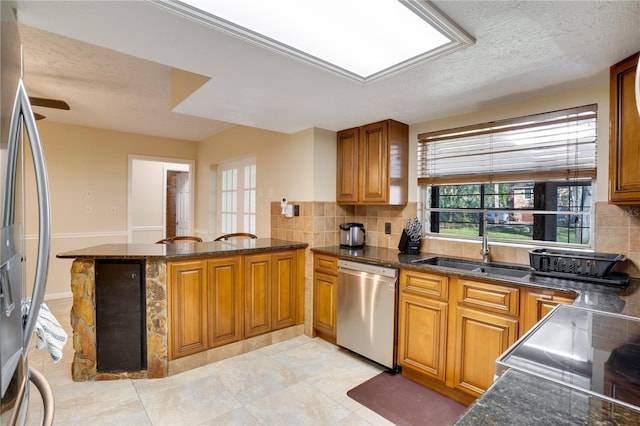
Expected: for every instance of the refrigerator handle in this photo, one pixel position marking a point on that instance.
(22, 110)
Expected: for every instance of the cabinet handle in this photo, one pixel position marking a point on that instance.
(545, 296)
(133, 276)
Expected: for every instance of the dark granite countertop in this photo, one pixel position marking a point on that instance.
(182, 250)
(518, 398)
(589, 295)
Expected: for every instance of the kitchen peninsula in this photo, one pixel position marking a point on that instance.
(153, 310)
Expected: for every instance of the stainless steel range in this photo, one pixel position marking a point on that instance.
(590, 350)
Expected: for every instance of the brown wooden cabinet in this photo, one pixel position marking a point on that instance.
(422, 323)
(487, 317)
(624, 141)
(220, 300)
(536, 303)
(270, 292)
(372, 164)
(187, 307)
(258, 294)
(481, 337)
(325, 278)
(224, 292)
(285, 282)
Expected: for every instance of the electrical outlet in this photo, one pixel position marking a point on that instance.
(296, 210)
(387, 227)
(89, 209)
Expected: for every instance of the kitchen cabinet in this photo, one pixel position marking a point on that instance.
(624, 135)
(224, 297)
(422, 323)
(536, 303)
(372, 164)
(187, 288)
(487, 317)
(285, 273)
(325, 283)
(220, 300)
(270, 292)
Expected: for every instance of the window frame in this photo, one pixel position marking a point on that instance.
(582, 172)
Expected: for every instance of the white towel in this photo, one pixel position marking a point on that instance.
(51, 335)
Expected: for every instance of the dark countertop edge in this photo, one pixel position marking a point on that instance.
(180, 251)
(607, 298)
(511, 397)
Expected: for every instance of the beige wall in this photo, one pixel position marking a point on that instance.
(87, 171)
(286, 167)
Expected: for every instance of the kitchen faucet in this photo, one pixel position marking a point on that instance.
(484, 251)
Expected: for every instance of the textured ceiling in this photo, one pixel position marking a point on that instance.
(111, 61)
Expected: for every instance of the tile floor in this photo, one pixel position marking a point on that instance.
(301, 381)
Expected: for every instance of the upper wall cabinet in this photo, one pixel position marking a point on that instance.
(624, 142)
(373, 164)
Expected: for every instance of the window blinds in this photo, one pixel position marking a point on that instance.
(559, 144)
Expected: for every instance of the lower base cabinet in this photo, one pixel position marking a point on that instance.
(481, 338)
(325, 290)
(422, 332)
(537, 303)
(224, 293)
(270, 292)
(187, 293)
(220, 300)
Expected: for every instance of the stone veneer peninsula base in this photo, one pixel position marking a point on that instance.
(84, 366)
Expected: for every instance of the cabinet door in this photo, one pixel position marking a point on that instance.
(347, 166)
(188, 308)
(224, 288)
(422, 335)
(285, 277)
(538, 303)
(624, 142)
(480, 339)
(258, 294)
(324, 304)
(373, 160)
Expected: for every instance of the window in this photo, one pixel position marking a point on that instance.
(236, 183)
(525, 179)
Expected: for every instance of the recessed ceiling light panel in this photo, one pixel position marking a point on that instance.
(361, 39)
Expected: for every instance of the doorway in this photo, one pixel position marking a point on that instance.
(160, 202)
(177, 220)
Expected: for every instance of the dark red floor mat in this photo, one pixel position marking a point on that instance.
(405, 402)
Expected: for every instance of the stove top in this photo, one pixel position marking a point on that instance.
(591, 350)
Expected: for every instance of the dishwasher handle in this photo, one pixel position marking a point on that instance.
(354, 267)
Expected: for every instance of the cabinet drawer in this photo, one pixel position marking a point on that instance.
(325, 264)
(490, 297)
(424, 284)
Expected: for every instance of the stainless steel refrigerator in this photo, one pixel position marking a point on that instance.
(19, 143)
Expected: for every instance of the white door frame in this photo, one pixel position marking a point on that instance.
(191, 170)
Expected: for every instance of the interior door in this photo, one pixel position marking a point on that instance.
(183, 220)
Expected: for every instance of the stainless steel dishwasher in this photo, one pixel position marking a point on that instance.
(366, 311)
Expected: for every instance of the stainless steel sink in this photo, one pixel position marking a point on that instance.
(470, 265)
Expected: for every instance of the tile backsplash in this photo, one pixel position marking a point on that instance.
(617, 230)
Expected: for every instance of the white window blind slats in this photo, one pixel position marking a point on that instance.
(563, 142)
